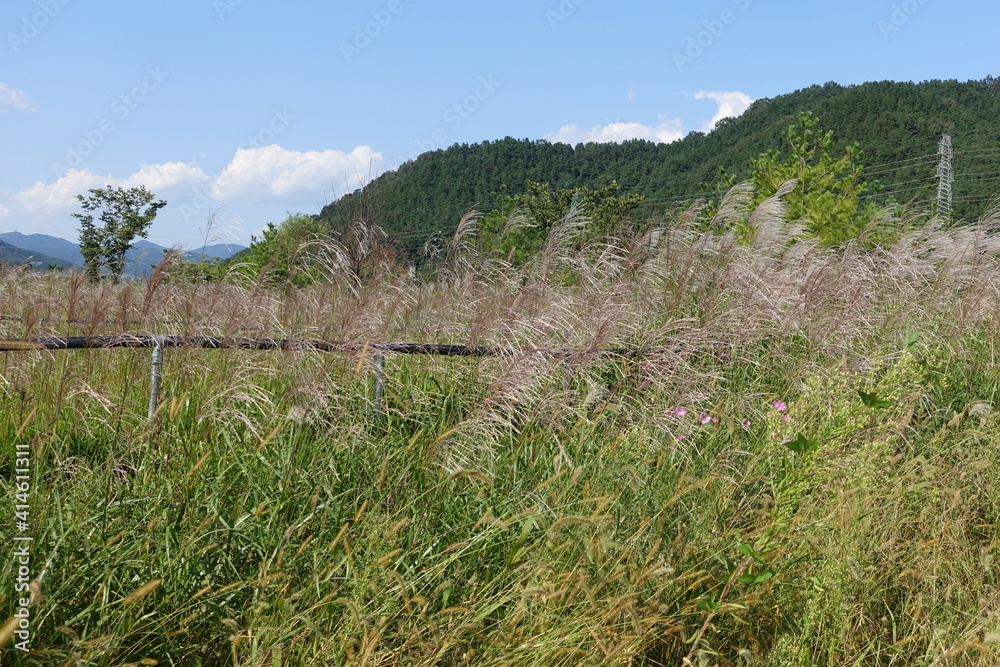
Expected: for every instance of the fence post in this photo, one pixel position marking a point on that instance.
(379, 383)
(154, 380)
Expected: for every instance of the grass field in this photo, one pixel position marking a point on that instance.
(800, 468)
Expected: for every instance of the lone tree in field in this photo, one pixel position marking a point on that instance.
(122, 216)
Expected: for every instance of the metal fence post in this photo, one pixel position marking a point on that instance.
(154, 380)
(379, 383)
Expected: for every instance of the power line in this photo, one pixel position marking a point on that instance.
(916, 166)
(927, 158)
(979, 173)
(898, 192)
(981, 179)
(972, 198)
(915, 180)
(977, 154)
(925, 141)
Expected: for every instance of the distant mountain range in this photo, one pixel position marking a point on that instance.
(10, 254)
(44, 250)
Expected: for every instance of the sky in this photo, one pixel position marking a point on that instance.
(239, 112)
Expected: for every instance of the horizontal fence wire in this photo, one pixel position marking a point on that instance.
(130, 321)
(228, 342)
(259, 330)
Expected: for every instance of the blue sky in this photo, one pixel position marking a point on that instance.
(254, 109)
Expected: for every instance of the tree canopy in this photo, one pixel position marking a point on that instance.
(122, 215)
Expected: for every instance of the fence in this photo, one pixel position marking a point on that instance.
(378, 350)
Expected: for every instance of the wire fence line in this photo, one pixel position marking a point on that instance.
(138, 325)
(377, 350)
(146, 322)
(230, 342)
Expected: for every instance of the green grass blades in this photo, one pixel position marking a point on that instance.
(522, 510)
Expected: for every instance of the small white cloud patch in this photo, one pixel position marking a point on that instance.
(731, 104)
(13, 100)
(669, 130)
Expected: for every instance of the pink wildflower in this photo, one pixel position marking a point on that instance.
(784, 417)
(746, 423)
(681, 412)
(779, 406)
(704, 418)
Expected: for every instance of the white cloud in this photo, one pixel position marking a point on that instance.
(254, 180)
(59, 197)
(731, 104)
(666, 131)
(55, 198)
(169, 175)
(254, 174)
(11, 99)
(670, 129)
(273, 171)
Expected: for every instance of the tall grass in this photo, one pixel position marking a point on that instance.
(524, 510)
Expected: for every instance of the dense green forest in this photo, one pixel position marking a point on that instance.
(10, 254)
(897, 126)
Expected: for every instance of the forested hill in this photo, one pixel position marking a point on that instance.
(10, 254)
(897, 125)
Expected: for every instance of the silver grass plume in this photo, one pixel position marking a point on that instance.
(767, 220)
(462, 244)
(563, 234)
(734, 205)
